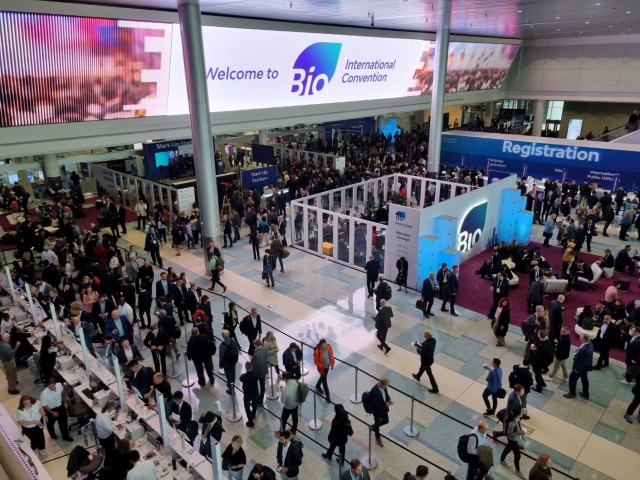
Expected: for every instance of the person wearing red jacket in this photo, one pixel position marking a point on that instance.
(324, 360)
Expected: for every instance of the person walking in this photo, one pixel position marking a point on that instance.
(608, 336)
(199, 352)
(30, 416)
(268, 266)
(215, 273)
(156, 341)
(500, 323)
(227, 229)
(251, 326)
(382, 292)
(541, 470)
(324, 360)
(289, 399)
(477, 439)
(254, 240)
(52, 399)
(371, 267)
(632, 356)
(251, 398)
(276, 249)
(514, 432)
(339, 434)
(234, 458)
(8, 357)
(500, 289)
(288, 456)
(230, 319)
(260, 365)
(380, 403)
(541, 356)
(635, 402)
(582, 364)
(563, 348)
(426, 350)
(516, 401)
(383, 324)
(450, 292)
(429, 293)
(494, 384)
(228, 358)
(152, 245)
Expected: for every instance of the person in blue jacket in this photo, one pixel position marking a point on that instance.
(494, 383)
(119, 326)
(582, 365)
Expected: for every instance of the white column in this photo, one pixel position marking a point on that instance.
(51, 168)
(263, 138)
(538, 118)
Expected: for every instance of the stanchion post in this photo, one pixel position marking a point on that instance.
(187, 382)
(314, 423)
(173, 373)
(369, 462)
(356, 398)
(303, 371)
(271, 395)
(184, 344)
(234, 415)
(410, 430)
(142, 346)
(340, 460)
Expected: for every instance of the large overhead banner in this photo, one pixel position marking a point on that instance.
(57, 69)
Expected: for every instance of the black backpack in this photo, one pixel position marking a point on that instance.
(463, 441)
(231, 355)
(366, 402)
(513, 378)
(387, 292)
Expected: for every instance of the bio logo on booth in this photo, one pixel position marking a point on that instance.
(314, 67)
(472, 227)
(401, 216)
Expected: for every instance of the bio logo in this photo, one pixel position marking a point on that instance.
(472, 227)
(400, 216)
(314, 67)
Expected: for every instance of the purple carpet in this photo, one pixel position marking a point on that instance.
(475, 295)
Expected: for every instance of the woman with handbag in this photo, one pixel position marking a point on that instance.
(339, 434)
(234, 458)
(31, 417)
(268, 266)
(501, 323)
(215, 273)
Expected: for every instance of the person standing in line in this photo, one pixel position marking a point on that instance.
(106, 424)
(494, 383)
(563, 348)
(145, 301)
(372, 267)
(541, 355)
(251, 398)
(289, 398)
(381, 291)
(450, 292)
(152, 245)
(229, 353)
(270, 343)
(429, 293)
(235, 458)
(29, 416)
(582, 364)
(477, 438)
(556, 311)
(157, 341)
(288, 456)
(291, 359)
(260, 365)
(357, 471)
(198, 352)
(141, 211)
(251, 326)
(339, 434)
(52, 399)
(380, 403)
(513, 431)
(8, 357)
(383, 324)
(426, 350)
(324, 360)
(516, 401)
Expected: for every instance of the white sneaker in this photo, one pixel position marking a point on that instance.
(625, 382)
(547, 379)
(505, 463)
(41, 453)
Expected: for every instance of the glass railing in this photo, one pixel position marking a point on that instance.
(616, 133)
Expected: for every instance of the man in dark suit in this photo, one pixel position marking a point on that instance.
(372, 267)
(291, 359)
(582, 364)
(381, 291)
(500, 289)
(168, 307)
(193, 298)
(198, 352)
(555, 317)
(632, 356)
(569, 269)
(119, 326)
(450, 292)
(623, 260)
(227, 229)
(514, 402)
(442, 277)
(251, 326)
(383, 324)
(609, 215)
(380, 402)
(122, 216)
(290, 464)
(426, 351)
(139, 378)
(181, 412)
(146, 275)
(125, 353)
(535, 295)
(607, 337)
(179, 295)
(534, 274)
(145, 300)
(588, 229)
(428, 293)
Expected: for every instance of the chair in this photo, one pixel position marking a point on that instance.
(78, 410)
(555, 285)
(597, 273)
(607, 272)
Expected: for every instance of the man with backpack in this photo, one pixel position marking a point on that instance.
(383, 291)
(377, 402)
(290, 398)
(289, 456)
(468, 450)
(229, 354)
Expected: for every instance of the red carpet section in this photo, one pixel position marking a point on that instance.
(475, 295)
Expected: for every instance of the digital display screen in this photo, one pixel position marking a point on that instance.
(229, 148)
(163, 158)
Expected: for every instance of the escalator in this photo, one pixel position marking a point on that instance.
(616, 134)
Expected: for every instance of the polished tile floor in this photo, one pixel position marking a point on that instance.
(316, 298)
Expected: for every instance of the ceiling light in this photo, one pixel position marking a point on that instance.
(558, 29)
(557, 18)
(520, 11)
(597, 4)
(610, 26)
(628, 12)
(587, 23)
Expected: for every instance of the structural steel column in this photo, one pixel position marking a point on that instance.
(538, 118)
(203, 153)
